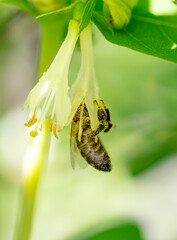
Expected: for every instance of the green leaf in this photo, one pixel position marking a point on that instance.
(99, 5)
(123, 231)
(143, 5)
(24, 5)
(87, 14)
(156, 146)
(146, 33)
(67, 8)
(103, 21)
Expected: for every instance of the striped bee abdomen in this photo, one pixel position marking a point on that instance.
(93, 151)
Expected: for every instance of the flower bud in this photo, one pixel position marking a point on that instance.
(120, 11)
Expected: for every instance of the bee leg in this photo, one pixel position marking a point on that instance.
(106, 109)
(108, 118)
(108, 127)
(98, 130)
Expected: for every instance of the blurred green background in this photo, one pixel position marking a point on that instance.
(138, 199)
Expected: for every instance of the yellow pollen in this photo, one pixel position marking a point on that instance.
(34, 133)
(80, 134)
(31, 122)
(96, 139)
(50, 124)
(55, 130)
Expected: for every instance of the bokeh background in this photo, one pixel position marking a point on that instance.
(138, 199)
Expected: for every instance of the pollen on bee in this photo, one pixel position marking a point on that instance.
(80, 134)
(96, 139)
(55, 130)
(34, 133)
(31, 122)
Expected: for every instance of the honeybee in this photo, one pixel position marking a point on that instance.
(88, 142)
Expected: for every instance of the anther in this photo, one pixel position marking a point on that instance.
(61, 129)
(31, 122)
(55, 130)
(34, 133)
(50, 124)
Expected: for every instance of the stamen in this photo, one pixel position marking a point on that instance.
(46, 106)
(31, 122)
(50, 124)
(55, 130)
(34, 133)
(61, 129)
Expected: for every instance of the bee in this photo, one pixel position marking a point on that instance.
(88, 142)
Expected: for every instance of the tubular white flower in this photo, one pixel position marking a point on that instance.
(49, 98)
(85, 89)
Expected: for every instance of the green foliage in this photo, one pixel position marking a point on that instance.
(5, 17)
(143, 5)
(87, 14)
(124, 231)
(103, 22)
(146, 33)
(24, 5)
(64, 10)
(153, 148)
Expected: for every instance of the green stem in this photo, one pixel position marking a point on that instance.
(53, 30)
(35, 160)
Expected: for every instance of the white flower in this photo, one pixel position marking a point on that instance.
(49, 98)
(85, 89)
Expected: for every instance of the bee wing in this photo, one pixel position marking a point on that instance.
(81, 161)
(74, 152)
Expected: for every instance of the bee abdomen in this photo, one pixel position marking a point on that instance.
(94, 153)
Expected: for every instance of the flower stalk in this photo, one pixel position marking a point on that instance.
(35, 160)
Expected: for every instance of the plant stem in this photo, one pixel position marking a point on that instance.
(35, 160)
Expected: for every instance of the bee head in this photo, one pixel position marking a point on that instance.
(102, 115)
